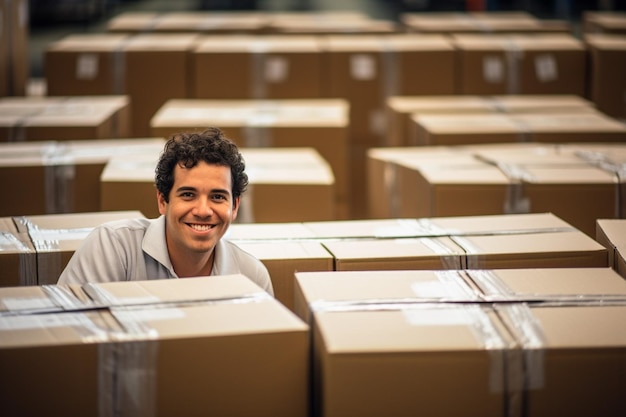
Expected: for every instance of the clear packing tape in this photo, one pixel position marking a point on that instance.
(127, 345)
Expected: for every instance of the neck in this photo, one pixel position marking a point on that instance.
(194, 266)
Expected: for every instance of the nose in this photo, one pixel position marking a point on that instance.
(203, 207)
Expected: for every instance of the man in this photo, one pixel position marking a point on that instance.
(199, 179)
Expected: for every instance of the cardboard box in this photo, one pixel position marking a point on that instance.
(14, 54)
(395, 254)
(61, 176)
(368, 228)
(268, 231)
(322, 124)
(409, 361)
(521, 64)
(85, 64)
(349, 289)
(284, 258)
(56, 237)
(607, 88)
(574, 357)
(604, 22)
(63, 118)
(250, 67)
(401, 108)
(532, 250)
(565, 285)
(135, 358)
(18, 262)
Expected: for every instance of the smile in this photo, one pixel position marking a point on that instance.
(201, 227)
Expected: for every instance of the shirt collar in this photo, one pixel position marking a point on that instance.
(155, 245)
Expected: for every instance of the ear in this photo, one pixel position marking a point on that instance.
(236, 203)
(162, 203)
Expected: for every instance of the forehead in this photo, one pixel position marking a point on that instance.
(202, 173)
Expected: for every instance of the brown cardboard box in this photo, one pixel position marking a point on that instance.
(127, 183)
(85, 64)
(521, 64)
(532, 250)
(147, 87)
(132, 22)
(451, 190)
(550, 284)
(300, 173)
(322, 124)
(63, 118)
(401, 108)
(109, 367)
(250, 67)
(60, 177)
(574, 357)
(18, 262)
(423, 359)
(319, 290)
(607, 87)
(284, 258)
(56, 237)
(395, 254)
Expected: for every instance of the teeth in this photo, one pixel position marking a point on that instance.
(201, 227)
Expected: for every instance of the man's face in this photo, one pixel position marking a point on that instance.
(200, 209)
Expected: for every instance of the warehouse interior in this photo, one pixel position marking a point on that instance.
(436, 193)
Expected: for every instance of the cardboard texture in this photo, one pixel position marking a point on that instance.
(611, 233)
(61, 176)
(575, 357)
(201, 344)
(29, 299)
(409, 361)
(63, 118)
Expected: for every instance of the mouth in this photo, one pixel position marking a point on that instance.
(201, 227)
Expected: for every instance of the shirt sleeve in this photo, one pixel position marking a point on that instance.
(98, 259)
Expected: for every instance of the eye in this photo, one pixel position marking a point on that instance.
(186, 195)
(219, 197)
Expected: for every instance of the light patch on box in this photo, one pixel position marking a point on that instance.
(546, 68)
(87, 66)
(276, 69)
(437, 317)
(429, 289)
(32, 303)
(362, 67)
(148, 314)
(493, 69)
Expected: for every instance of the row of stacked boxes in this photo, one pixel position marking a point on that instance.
(516, 335)
(365, 70)
(35, 249)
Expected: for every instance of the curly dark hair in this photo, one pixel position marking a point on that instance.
(187, 149)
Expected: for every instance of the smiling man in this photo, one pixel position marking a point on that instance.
(199, 179)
